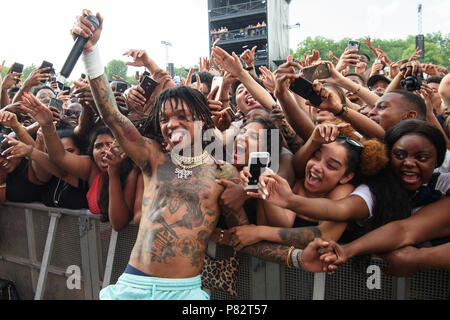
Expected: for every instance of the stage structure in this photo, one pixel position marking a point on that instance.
(242, 24)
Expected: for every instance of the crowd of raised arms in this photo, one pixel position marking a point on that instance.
(364, 171)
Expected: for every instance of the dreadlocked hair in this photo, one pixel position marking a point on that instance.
(194, 101)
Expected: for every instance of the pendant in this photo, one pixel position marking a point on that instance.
(183, 173)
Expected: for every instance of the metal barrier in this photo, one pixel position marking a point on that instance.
(57, 239)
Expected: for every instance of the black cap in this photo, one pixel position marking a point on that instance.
(378, 77)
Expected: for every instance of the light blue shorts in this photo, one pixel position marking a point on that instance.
(134, 287)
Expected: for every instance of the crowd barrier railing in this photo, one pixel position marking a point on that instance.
(55, 254)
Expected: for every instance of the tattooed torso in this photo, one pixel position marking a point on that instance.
(178, 217)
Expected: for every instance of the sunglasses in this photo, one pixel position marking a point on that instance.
(352, 142)
(69, 113)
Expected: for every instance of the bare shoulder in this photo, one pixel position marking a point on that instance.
(341, 191)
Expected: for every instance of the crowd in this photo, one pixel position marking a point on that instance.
(363, 171)
(249, 31)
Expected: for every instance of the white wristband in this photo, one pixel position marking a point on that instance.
(92, 62)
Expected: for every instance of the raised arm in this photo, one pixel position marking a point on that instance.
(296, 116)
(359, 122)
(79, 166)
(137, 147)
(322, 134)
(233, 65)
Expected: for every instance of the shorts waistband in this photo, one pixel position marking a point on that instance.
(154, 283)
(132, 270)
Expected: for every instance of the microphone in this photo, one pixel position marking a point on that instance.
(76, 51)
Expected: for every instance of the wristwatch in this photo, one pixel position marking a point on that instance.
(344, 109)
(250, 68)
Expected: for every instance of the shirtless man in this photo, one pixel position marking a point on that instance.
(179, 212)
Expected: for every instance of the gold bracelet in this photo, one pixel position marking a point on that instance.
(288, 257)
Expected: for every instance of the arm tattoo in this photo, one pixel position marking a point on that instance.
(299, 237)
(269, 251)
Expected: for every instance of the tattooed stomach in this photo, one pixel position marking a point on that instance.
(174, 253)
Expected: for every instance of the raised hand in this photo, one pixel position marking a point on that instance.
(84, 97)
(394, 69)
(248, 56)
(415, 55)
(274, 189)
(135, 96)
(327, 132)
(17, 149)
(330, 101)
(215, 106)
(222, 120)
(383, 56)
(268, 79)
(86, 29)
(114, 158)
(430, 69)
(350, 57)
(37, 77)
(231, 64)
(63, 96)
(34, 108)
(11, 80)
(313, 59)
(283, 83)
(9, 119)
(140, 58)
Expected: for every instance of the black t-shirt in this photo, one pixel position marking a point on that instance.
(59, 194)
(19, 188)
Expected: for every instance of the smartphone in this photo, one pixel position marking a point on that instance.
(304, 89)
(46, 64)
(17, 67)
(121, 87)
(231, 113)
(312, 73)
(257, 164)
(352, 44)
(56, 103)
(217, 82)
(149, 85)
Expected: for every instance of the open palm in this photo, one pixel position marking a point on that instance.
(37, 110)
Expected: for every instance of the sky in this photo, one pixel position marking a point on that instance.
(39, 30)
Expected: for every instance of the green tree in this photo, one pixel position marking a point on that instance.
(116, 67)
(437, 48)
(432, 53)
(181, 71)
(131, 80)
